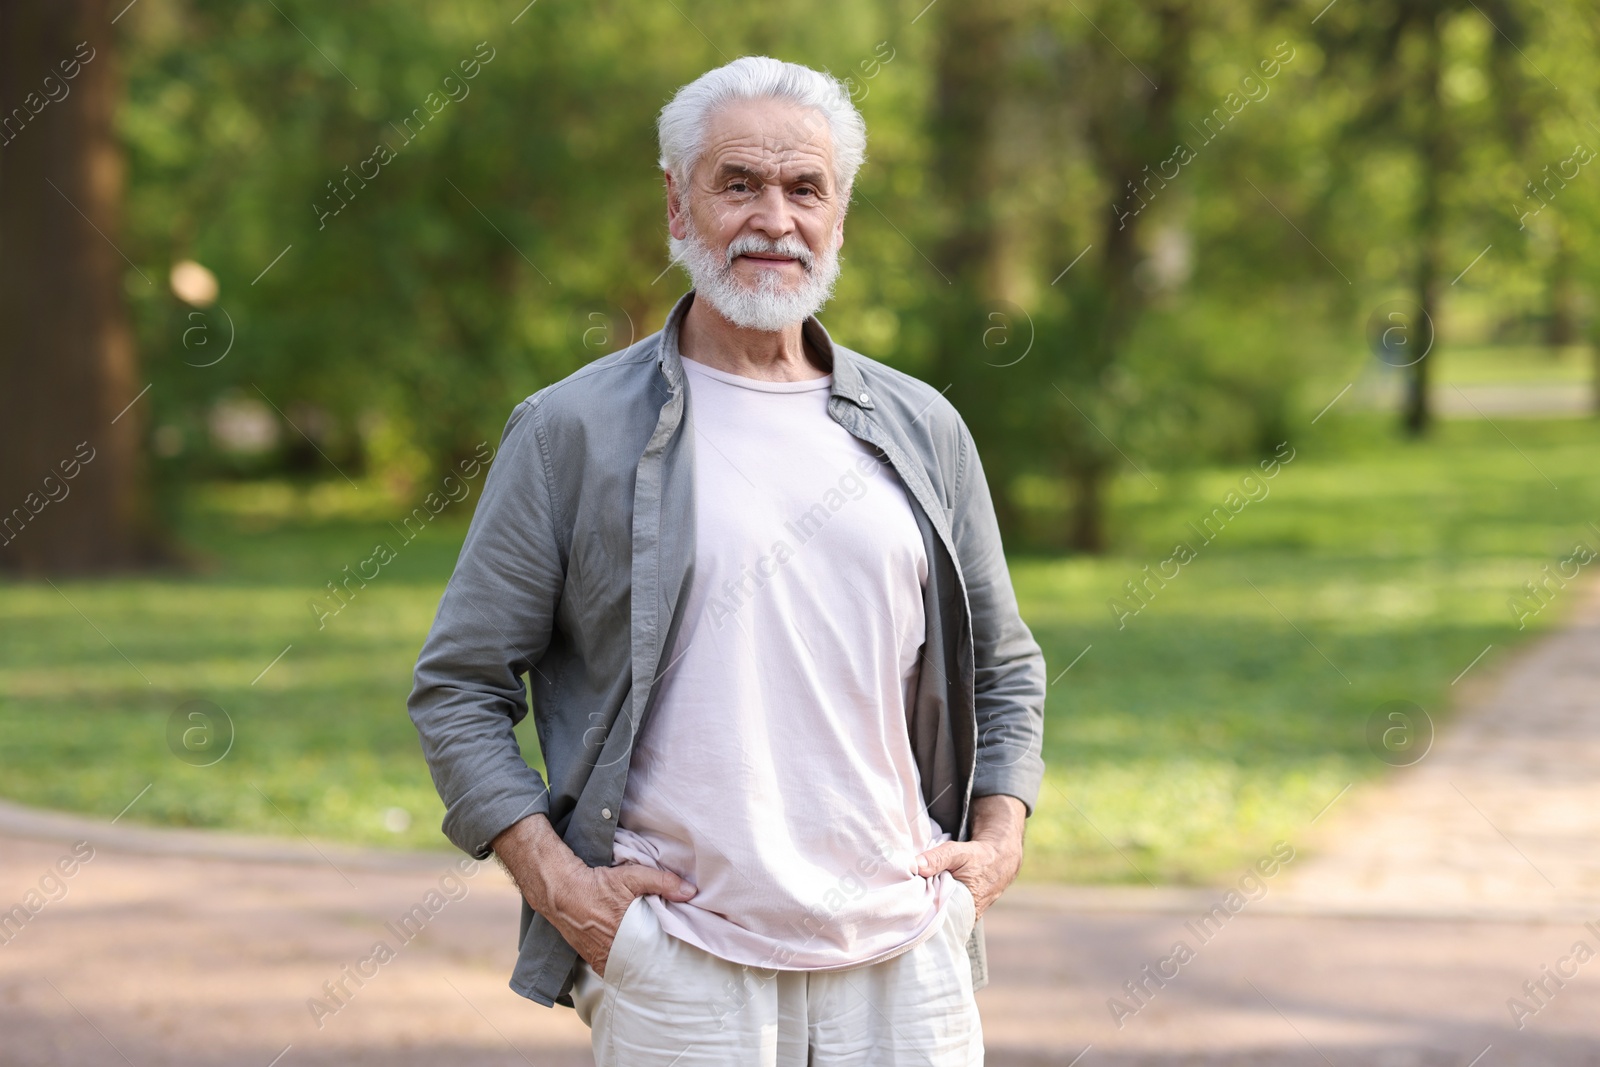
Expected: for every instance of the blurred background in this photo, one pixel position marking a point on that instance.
(1274, 322)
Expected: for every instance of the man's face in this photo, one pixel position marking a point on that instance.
(760, 220)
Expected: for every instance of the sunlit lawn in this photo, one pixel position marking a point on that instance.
(1224, 715)
(1522, 365)
(1212, 724)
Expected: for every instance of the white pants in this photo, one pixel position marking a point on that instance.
(666, 1002)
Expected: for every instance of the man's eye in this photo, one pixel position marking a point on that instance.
(738, 187)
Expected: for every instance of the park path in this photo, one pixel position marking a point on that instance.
(1546, 400)
(1502, 816)
(1383, 391)
(1424, 902)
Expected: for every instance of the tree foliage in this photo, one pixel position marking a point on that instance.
(1118, 235)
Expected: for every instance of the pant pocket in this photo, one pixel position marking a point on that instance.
(627, 935)
(587, 989)
(965, 907)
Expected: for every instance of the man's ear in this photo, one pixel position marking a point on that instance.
(677, 223)
(838, 233)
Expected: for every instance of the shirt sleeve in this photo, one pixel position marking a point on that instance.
(493, 626)
(1009, 669)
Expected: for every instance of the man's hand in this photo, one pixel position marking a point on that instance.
(990, 861)
(584, 903)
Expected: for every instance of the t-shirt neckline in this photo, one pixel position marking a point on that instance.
(805, 386)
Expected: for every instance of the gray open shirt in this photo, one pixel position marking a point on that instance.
(576, 566)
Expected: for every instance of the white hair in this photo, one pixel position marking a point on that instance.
(683, 121)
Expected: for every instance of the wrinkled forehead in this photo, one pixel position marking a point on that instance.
(773, 139)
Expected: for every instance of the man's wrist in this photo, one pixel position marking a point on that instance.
(999, 819)
(535, 857)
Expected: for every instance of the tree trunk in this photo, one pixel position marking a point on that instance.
(1562, 329)
(72, 494)
(969, 90)
(1594, 368)
(1417, 413)
(1109, 308)
(1087, 524)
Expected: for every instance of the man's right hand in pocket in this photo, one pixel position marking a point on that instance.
(585, 904)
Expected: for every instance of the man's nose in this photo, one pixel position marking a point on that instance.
(773, 215)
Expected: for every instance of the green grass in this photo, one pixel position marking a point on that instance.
(1179, 746)
(322, 743)
(1209, 726)
(1518, 365)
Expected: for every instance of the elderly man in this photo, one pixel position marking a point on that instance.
(790, 717)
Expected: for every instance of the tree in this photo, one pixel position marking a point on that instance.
(479, 218)
(968, 94)
(1069, 199)
(1395, 56)
(1130, 125)
(71, 483)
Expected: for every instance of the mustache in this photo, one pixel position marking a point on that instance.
(789, 246)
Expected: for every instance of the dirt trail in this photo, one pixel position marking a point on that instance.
(1431, 899)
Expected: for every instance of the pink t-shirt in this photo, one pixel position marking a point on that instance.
(775, 771)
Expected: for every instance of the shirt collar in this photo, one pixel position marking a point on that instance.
(847, 380)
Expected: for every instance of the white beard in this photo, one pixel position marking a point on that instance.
(771, 305)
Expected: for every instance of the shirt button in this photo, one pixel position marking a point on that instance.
(865, 399)
(605, 813)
